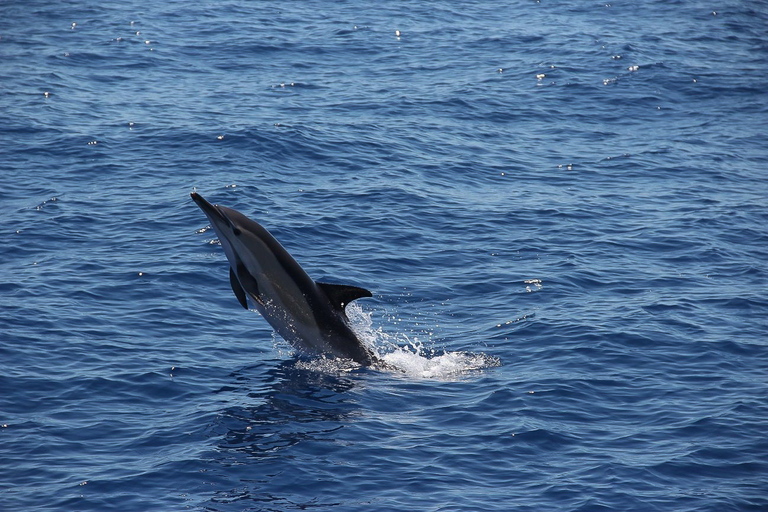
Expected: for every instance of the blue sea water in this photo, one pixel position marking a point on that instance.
(560, 207)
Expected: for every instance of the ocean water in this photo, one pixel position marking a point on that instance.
(559, 206)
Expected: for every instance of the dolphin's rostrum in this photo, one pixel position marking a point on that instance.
(307, 314)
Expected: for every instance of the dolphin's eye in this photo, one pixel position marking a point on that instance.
(236, 231)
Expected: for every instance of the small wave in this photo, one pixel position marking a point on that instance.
(327, 365)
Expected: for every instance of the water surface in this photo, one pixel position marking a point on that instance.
(559, 206)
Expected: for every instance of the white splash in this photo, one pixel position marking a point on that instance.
(447, 366)
(410, 356)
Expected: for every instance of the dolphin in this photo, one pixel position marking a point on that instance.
(309, 315)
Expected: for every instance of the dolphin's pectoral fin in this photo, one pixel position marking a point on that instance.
(237, 288)
(340, 295)
(248, 283)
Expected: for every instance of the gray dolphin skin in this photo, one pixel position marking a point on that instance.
(307, 314)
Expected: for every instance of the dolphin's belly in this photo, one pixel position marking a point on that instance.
(288, 310)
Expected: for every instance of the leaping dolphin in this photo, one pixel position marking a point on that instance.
(307, 314)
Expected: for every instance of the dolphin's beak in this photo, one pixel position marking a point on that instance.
(210, 210)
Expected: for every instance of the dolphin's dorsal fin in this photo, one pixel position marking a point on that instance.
(237, 288)
(340, 295)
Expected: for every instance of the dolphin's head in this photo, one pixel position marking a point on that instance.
(213, 212)
(244, 240)
(221, 224)
(225, 221)
(237, 233)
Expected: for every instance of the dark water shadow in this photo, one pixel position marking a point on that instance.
(291, 405)
(290, 417)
